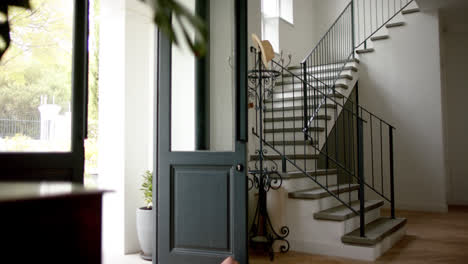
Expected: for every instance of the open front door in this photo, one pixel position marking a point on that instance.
(201, 207)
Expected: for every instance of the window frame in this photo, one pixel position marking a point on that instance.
(60, 166)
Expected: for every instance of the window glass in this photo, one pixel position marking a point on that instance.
(270, 31)
(35, 79)
(286, 9)
(270, 8)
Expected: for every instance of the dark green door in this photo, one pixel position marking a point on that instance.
(201, 212)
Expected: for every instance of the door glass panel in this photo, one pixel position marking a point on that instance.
(35, 79)
(203, 89)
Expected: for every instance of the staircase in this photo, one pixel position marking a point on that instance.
(334, 157)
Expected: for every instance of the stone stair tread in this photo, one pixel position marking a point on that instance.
(300, 174)
(288, 90)
(375, 231)
(361, 51)
(291, 142)
(396, 24)
(410, 11)
(332, 69)
(337, 62)
(327, 78)
(381, 37)
(342, 212)
(290, 108)
(317, 193)
(296, 98)
(292, 130)
(294, 118)
(291, 157)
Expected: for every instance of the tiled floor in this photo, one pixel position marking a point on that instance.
(124, 259)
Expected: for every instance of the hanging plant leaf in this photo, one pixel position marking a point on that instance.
(5, 25)
(166, 9)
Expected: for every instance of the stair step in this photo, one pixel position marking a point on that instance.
(292, 130)
(376, 231)
(294, 118)
(337, 62)
(290, 108)
(291, 142)
(396, 24)
(300, 174)
(287, 90)
(410, 11)
(341, 213)
(291, 157)
(317, 193)
(362, 51)
(327, 78)
(382, 37)
(297, 98)
(333, 69)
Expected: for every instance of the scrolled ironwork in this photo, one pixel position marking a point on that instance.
(265, 176)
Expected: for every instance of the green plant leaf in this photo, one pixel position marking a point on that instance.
(147, 187)
(5, 26)
(166, 9)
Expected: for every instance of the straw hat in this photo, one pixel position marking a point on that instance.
(265, 47)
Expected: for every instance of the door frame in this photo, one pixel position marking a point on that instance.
(61, 166)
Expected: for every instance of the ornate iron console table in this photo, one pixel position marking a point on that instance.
(265, 176)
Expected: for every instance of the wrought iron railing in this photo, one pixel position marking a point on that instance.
(357, 23)
(358, 145)
(10, 127)
(321, 70)
(371, 15)
(308, 150)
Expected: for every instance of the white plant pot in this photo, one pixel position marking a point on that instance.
(144, 224)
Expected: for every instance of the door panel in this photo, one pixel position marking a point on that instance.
(201, 207)
(201, 212)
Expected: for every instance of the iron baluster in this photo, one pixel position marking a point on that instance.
(392, 179)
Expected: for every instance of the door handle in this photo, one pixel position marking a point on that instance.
(239, 167)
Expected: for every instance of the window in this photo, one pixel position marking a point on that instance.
(278, 9)
(43, 87)
(286, 10)
(272, 11)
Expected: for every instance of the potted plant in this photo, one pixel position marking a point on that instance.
(144, 218)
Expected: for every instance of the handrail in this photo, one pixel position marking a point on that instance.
(320, 71)
(326, 33)
(351, 112)
(380, 21)
(352, 33)
(326, 95)
(355, 138)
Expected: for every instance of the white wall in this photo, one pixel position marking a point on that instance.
(434, 5)
(298, 39)
(325, 13)
(125, 118)
(222, 42)
(401, 82)
(454, 43)
(139, 65)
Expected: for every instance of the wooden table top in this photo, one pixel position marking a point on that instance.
(15, 191)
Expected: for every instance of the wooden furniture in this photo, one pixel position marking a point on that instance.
(49, 223)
